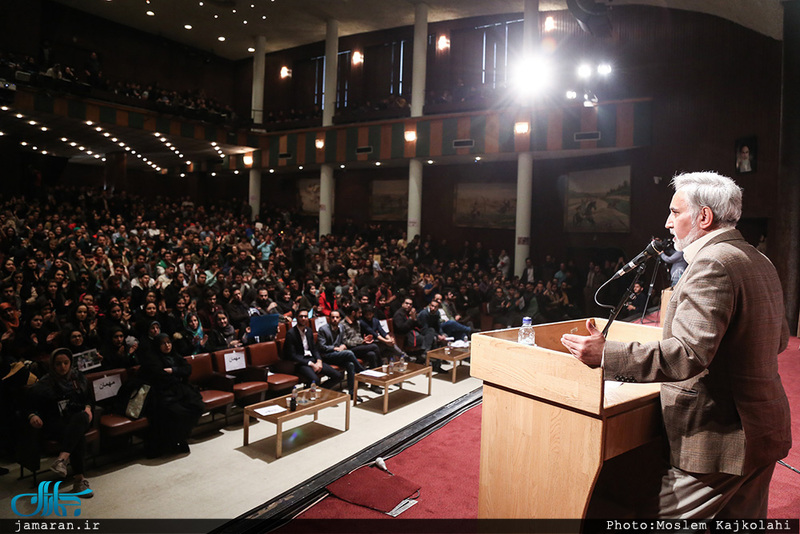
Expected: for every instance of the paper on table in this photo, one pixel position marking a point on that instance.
(612, 384)
(371, 372)
(270, 410)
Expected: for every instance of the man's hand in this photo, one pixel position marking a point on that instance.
(588, 349)
(317, 366)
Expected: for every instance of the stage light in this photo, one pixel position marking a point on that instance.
(572, 95)
(584, 71)
(604, 69)
(531, 76)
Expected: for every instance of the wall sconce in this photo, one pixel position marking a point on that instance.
(410, 136)
(549, 24)
(521, 127)
(358, 58)
(286, 72)
(320, 144)
(248, 160)
(443, 43)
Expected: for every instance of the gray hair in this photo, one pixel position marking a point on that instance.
(719, 193)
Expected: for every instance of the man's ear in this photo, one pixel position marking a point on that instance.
(705, 219)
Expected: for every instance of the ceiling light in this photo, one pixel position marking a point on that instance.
(106, 134)
(188, 162)
(73, 144)
(214, 143)
(163, 139)
(23, 143)
(251, 49)
(99, 129)
(377, 163)
(20, 116)
(213, 174)
(89, 152)
(4, 108)
(168, 144)
(236, 171)
(81, 148)
(44, 151)
(97, 156)
(272, 171)
(234, 11)
(216, 16)
(151, 14)
(187, 26)
(157, 134)
(300, 167)
(113, 139)
(263, 17)
(604, 69)
(183, 175)
(341, 166)
(44, 128)
(244, 22)
(430, 162)
(477, 159)
(89, 123)
(32, 123)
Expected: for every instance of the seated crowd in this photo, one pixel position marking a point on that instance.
(145, 283)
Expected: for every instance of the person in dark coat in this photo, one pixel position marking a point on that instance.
(61, 405)
(173, 405)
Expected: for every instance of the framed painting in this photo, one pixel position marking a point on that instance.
(486, 205)
(598, 201)
(389, 200)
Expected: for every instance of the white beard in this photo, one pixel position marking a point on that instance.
(691, 237)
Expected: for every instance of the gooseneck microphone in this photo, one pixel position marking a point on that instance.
(656, 247)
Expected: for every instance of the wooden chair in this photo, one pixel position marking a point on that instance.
(112, 423)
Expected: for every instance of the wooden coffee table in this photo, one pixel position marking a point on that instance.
(414, 369)
(325, 399)
(454, 355)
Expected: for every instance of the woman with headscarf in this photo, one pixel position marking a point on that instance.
(223, 335)
(194, 336)
(61, 405)
(175, 405)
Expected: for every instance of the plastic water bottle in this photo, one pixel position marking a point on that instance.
(526, 334)
(313, 391)
(293, 402)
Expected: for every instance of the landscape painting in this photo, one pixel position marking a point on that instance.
(389, 201)
(486, 205)
(598, 201)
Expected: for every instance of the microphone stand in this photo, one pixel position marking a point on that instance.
(650, 290)
(625, 297)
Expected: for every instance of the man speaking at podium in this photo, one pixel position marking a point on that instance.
(725, 411)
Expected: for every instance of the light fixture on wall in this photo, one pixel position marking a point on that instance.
(320, 144)
(286, 72)
(358, 58)
(410, 136)
(522, 127)
(248, 159)
(443, 43)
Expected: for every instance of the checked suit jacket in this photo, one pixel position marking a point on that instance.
(724, 407)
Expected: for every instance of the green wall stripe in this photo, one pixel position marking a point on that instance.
(642, 123)
(477, 131)
(330, 146)
(351, 143)
(274, 148)
(399, 140)
(108, 115)
(374, 136)
(571, 124)
(44, 103)
(311, 148)
(540, 121)
(423, 139)
(163, 125)
(187, 130)
(449, 134)
(505, 141)
(607, 125)
(291, 148)
(136, 120)
(76, 110)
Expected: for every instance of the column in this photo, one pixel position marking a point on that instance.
(522, 238)
(254, 196)
(331, 64)
(257, 114)
(418, 68)
(115, 172)
(328, 109)
(414, 198)
(325, 199)
(259, 62)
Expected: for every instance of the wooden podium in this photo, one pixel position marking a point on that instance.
(550, 422)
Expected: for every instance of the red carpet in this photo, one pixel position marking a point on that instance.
(446, 465)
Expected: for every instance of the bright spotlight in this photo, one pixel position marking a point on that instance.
(584, 71)
(572, 95)
(604, 69)
(532, 76)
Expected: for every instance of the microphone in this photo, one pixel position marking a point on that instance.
(655, 248)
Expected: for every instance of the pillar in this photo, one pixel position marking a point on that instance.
(115, 172)
(419, 59)
(254, 195)
(522, 237)
(259, 62)
(325, 199)
(331, 64)
(414, 198)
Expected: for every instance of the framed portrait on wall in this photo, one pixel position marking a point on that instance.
(746, 152)
(598, 200)
(485, 205)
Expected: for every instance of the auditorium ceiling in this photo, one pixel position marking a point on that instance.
(290, 23)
